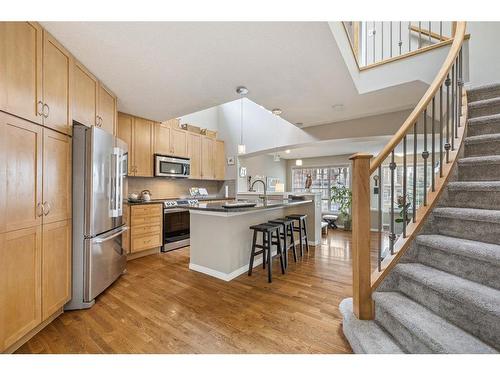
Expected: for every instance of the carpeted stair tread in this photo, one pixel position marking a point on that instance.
(470, 214)
(483, 92)
(474, 186)
(481, 120)
(366, 336)
(434, 332)
(462, 291)
(484, 138)
(472, 249)
(480, 160)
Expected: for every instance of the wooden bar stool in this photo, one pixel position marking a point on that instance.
(270, 236)
(287, 233)
(302, 229)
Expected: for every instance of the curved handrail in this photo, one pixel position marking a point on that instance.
(458, 39)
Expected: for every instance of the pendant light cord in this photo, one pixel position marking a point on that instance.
(241, 121)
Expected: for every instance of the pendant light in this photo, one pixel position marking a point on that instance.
(242, 91)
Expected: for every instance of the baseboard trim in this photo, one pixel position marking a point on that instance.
(23, 340)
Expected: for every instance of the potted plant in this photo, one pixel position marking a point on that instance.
(343, 197)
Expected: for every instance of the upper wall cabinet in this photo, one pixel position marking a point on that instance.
(170, 139)
(57, 73)
(162, 139)
(21, 69)
(84, 95)
(106, 109)
(220, 160)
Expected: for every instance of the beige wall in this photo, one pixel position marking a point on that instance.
(162, 188)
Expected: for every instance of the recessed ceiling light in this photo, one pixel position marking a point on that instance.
(287, 151)
(277, 111)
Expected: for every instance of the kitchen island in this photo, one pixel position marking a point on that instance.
(221, 239)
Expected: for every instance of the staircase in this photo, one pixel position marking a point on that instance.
(444, 294)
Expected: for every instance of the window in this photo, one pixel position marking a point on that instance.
(323, 178)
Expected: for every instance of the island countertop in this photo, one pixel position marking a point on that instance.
(218, 207)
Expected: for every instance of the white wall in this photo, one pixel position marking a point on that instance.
(261, 166)
(205, 119)
(484, 55)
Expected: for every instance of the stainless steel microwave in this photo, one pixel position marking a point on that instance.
(169, 166)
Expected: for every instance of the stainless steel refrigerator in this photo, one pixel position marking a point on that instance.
(99, 187)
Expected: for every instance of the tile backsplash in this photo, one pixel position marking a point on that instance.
(164, 188)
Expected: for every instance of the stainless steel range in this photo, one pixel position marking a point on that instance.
(176, 223)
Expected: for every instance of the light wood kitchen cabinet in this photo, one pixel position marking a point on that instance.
(126, 235)
(194, 154)
(106, 109)
(20, 173)
(179, 142)
(56, 176)
(146, 230)
(207, 158)
(84, 95)
(220, 160)
(162, 139)
(142, 147)
(21, 69)
(20, 284)
(56, 77)
(124, 131)
(56, 266)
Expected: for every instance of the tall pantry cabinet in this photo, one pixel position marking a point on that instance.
(35, 179)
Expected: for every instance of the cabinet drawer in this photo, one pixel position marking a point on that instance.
(146, 229)
(147, 210)
(145, 242)
(145, 220)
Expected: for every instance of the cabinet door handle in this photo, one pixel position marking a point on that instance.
(48, 110)
(39, 108)
(46, 205)
(40, 209)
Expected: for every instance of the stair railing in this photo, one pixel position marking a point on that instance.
(379, 42)
(409, 172)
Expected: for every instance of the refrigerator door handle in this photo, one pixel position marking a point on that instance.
(116, 234)
(116, 193)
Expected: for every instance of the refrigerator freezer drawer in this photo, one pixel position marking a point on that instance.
(105, 262)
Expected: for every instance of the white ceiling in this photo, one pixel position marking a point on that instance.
(162, 70)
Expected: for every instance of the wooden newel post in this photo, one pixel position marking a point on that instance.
(361, 270)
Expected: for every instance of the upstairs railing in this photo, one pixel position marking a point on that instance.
(377, 42)
(394, 192)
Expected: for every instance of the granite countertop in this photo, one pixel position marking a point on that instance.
(260, 205)
(156, 201)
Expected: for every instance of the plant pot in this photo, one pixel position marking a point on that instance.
(348, 225)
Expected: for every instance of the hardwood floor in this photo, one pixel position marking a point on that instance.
(160, 306)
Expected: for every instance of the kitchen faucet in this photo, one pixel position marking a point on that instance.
(265, 187)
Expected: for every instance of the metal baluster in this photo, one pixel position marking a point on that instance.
(400, 43)
(374, 37)
(405, 212)
(382, 37)
(457, 99)
(425, 155)
(390, 39)
(392, 235)
(460, 82)
(433, 144)
(453, 107)
(441, 131)
(430, 26)
(414, 172)
(409, 36)
(419, 34)
(447, 145)
(380, 226)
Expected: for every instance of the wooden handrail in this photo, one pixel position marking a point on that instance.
(426, 99)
